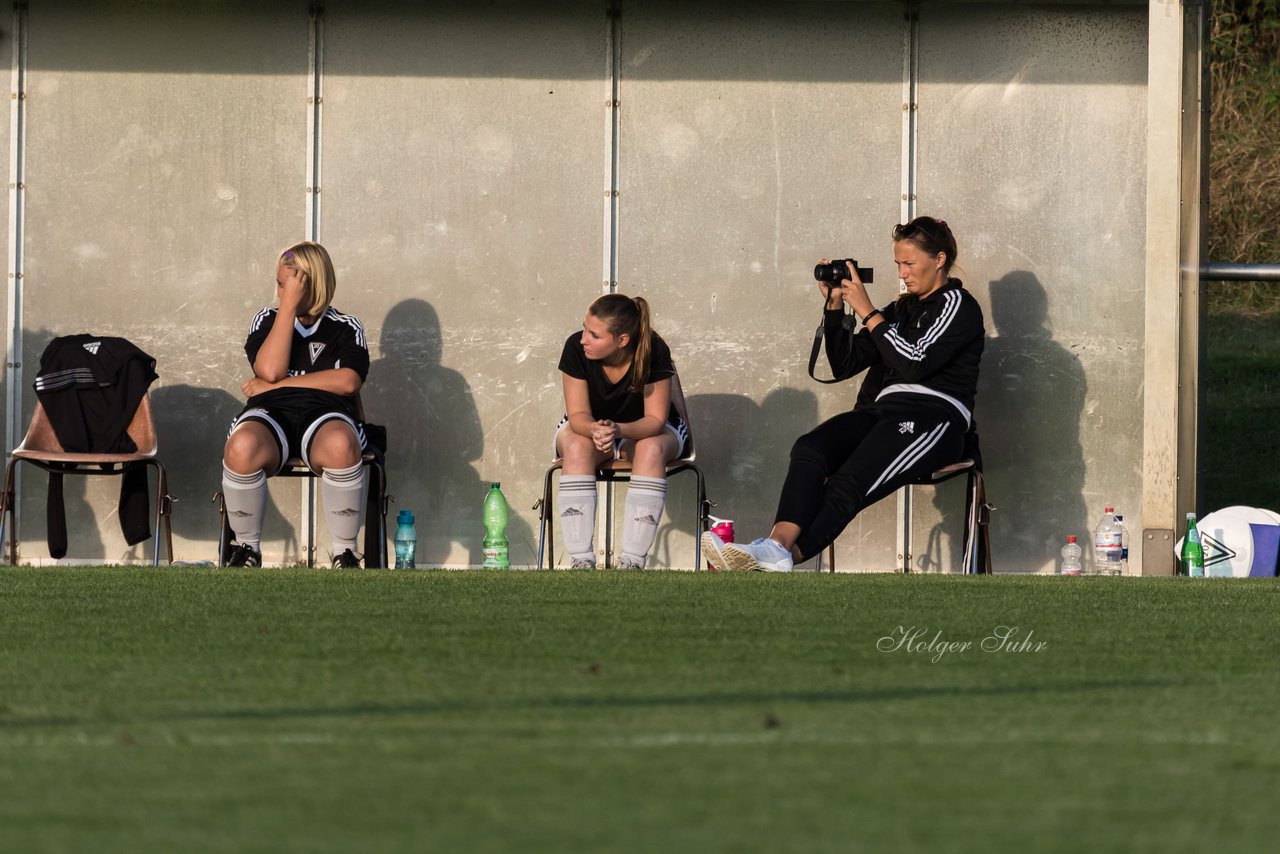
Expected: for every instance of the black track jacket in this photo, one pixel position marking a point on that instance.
(929, 346)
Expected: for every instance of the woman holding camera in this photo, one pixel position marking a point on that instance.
(617, 398)
(309, 361)
(921, 353)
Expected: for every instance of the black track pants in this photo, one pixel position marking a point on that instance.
(851, 461)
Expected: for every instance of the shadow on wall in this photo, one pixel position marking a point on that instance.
(192, 424)
(1030, 396)
(433, 438)
(743, 448)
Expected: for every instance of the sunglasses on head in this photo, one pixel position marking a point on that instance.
(907, 230)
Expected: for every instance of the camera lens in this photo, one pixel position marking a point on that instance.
(837, 271)
(830, 272)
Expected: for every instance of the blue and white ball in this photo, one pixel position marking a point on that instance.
(1239, 542)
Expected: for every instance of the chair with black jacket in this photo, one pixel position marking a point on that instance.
(93, 417)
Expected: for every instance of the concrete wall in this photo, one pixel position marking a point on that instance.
(467, 169)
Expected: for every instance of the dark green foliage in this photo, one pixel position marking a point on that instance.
(1244, 169)
(1239, 454)
(1240, 443)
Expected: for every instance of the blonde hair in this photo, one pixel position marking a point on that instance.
(319, 281)
(628, 316)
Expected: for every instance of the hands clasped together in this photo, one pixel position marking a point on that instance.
(604, 434)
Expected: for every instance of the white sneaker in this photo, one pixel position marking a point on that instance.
(713, 550)
(582, 563)
(762, 555)
(628, 562)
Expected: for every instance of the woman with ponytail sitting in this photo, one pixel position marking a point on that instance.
(617, 400)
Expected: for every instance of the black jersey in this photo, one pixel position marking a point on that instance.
(334, 341)
(613, 401)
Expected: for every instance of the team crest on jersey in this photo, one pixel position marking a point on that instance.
(316, 347)
(92, 347)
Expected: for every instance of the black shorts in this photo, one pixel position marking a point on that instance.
(294, 427)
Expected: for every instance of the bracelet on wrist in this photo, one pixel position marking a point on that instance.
(869, 315)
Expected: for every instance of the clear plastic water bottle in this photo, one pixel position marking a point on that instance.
(495, 529)
(1123, 568)
(1106, 543)
(1071, 553)
(406, 541)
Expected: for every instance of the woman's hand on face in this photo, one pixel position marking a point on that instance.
(292, 289)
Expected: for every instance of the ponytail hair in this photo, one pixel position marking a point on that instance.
(628, 316)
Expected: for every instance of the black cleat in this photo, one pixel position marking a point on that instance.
(346, 560)
(244, 556)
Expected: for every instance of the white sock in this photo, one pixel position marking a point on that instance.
(646, 497)
(246, 498)
(343, 491)
(577, 500)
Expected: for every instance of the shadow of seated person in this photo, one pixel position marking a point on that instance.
(434, 437)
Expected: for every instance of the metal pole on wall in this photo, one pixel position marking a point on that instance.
(910, 92)
(315, 107)
(613, 50)
(17, 194)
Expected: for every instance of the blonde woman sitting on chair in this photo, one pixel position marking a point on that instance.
(308, 361)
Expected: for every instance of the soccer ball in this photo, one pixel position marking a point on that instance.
(1240, 542)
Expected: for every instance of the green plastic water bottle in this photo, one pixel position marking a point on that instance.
(495, 530)
(1192, 562)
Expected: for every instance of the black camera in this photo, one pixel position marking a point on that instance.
(836, 271)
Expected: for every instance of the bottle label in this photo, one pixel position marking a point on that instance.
(496, 557)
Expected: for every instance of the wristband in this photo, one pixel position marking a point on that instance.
(870, 314)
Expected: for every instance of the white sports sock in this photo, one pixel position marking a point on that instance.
(343, 491)
(246, 498)
(646, 497)
(577, 500)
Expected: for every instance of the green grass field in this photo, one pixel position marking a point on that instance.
(279, 710)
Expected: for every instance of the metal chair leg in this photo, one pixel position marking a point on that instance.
(224, 529)
(700, 520)
(608, 524)
(8, 513)
(546, 525)
(164, 511)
